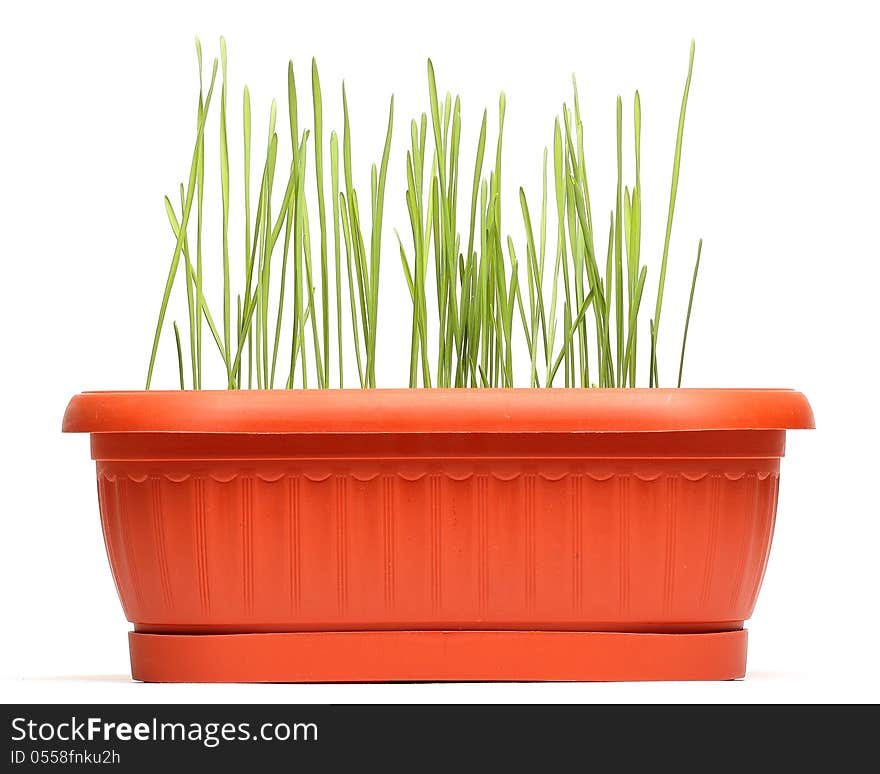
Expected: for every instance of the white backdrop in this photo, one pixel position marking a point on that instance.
(779, 175)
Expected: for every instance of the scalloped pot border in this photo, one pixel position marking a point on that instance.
(271, 478)
(619, 548)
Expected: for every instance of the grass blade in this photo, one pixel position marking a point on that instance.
(687, 319)
(618, 249)
(224, 186)
(175, 260)
(337, 258)
(179, 355)
(322, 220)
(676, 164)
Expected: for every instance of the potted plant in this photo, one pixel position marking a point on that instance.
(579, 528)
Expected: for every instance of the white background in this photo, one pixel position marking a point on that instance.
(779, 177)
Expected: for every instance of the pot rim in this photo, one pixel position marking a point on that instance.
(456, 410)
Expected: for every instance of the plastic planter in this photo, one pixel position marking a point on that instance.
(438, 534)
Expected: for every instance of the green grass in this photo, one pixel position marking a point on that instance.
(553, 299)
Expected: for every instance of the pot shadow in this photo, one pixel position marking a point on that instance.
(81, 679)
(769, 674)
(762, 675)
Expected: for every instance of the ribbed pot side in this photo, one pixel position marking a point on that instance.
(635, 532)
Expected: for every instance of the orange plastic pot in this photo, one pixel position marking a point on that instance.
(438, 534)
